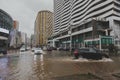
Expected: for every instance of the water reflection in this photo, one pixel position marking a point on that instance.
(3, 68)
(3, 62)
(36, 57)
(39, 67)
(8, 67)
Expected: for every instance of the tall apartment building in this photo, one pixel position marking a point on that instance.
(43, 27)
(62, 15)
(74, 13)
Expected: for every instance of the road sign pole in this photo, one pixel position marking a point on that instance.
(100, 42)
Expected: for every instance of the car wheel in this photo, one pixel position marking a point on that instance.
(106, 56)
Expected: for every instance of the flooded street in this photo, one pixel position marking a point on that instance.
(56, 66)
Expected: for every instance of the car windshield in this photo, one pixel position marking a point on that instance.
(92, 50)
(22, 47)
(84, 49)
(38, 48)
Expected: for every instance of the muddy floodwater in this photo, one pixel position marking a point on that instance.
(57, 65)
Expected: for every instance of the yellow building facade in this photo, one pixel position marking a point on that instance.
(43, 27)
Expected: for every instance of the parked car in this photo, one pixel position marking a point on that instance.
(90, 53)
(3, 51)
(60, 49)
(28, 48)
(44, 48)
(54, 48)
(49, 49)
(33, 49)
(38, 51)
(66, 49)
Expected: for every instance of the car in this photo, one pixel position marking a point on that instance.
(54, 48)
(49, 49)
(38, 51)
(28, 48)
(44, 48)
(3, 51)
(90, 53)
(60, 49)
(22, 49)
(66, 49)
(33, 49)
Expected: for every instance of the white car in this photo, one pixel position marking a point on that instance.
(33, 49)
(38, 51)
(44, 48)
(22, 49)
(28, 48)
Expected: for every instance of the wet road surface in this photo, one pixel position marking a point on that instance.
(56, 66)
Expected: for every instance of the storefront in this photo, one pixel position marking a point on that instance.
(102, 42)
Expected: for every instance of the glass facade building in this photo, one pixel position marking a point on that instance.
(6, 24)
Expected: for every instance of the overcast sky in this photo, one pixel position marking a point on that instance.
(25, 11)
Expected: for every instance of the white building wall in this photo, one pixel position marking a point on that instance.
(15, 38)
(78, 11)
(62, 15)
(12, 37)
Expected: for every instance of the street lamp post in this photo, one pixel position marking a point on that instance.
(70, 40)
(38, 45)
(70, 33)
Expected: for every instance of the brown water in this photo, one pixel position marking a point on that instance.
(56, 66)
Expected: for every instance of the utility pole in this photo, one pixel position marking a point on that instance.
(70, 33)
(25, 41)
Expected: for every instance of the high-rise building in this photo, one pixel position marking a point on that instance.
(6, 24)
(73, 13)
(62, 15)
(23, 37)
(32, 40)
(43, 27)
(15, 35)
